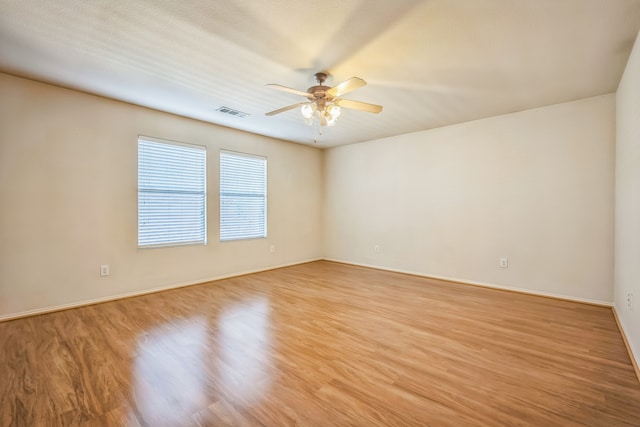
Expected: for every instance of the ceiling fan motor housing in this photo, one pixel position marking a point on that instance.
(319, 92)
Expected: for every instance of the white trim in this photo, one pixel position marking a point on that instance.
(170, 142)
(634, 354)
(483, 284)
(37, 311)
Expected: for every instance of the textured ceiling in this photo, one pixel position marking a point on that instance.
(430, 63)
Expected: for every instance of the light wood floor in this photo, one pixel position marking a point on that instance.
(320, 344)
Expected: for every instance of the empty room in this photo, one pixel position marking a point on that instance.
(336, 213)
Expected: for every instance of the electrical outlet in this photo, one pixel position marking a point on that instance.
(272, 248)
(104, 270)
(630, 301)
(504, 263)
(376, 249)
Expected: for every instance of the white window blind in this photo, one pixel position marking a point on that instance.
(243, 196)
(171, 193)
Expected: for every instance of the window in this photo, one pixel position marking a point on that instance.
(243, 196)
(172, 193)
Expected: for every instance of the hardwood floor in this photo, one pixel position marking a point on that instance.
(320, 344)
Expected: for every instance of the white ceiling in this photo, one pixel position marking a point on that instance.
(430, 63)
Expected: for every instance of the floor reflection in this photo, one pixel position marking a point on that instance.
(170, 372)
(184, 366)
(244, 340)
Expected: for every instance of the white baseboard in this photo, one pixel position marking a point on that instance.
(485, 285)
(34, 312)
(634, 356)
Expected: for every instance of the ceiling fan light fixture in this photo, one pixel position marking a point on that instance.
(330, 114)
(334, 111)
(307, 111)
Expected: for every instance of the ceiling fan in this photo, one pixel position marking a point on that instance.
(324, 101)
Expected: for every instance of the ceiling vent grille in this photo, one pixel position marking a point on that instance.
(232, 112)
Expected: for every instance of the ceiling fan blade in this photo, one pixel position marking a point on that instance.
(346, 86)
(290, 90)
(357, 105)
(283, 109)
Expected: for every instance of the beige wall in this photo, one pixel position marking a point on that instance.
(534, 186)
(68, 200)
(627, 234)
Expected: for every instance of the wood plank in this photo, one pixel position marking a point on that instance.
(320, 344)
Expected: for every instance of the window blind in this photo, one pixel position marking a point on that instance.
(243, 196)
(171, 193)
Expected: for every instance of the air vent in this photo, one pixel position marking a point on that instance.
(232, 112)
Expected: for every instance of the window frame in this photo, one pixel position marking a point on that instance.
(264, 218)
(204, 194)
